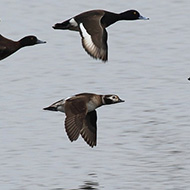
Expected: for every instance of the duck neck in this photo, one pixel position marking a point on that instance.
(22, 43)
(109, 18)
(106, 101)
(103, 100)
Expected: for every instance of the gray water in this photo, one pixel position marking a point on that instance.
(143, 144)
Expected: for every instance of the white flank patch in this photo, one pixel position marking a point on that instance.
(73, 22)
(91, 106)
(87, 37)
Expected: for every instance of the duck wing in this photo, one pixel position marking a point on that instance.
(94, 37)
(75, 111)
(89, 129)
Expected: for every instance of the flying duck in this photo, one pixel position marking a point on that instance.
(92, 27)
(8, 47)
(81, 115)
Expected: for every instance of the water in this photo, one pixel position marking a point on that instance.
(142, 144)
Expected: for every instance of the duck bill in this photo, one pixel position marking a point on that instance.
(40, 42)
(120, 100)
(143, 18)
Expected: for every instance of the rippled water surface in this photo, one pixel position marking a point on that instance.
(142, 144)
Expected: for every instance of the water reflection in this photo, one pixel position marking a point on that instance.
(87, 184)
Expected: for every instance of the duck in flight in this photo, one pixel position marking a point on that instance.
(81, 114)
(92, 27)
(8, 47)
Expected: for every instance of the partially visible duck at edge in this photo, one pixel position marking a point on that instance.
(8, 47)
(92, 24)
(81, 117)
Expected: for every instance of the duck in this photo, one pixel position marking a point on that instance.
(8, 46)
(81, 116)
(92, 27)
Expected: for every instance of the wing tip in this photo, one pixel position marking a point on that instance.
(98, 54)
(90, 141)
(91, 48)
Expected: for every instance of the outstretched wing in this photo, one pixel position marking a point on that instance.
(94, 37)
(75, 114)
(89, 129)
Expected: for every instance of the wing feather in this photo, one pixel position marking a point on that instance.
(94, 41)
(75, 114)
(89, 130)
